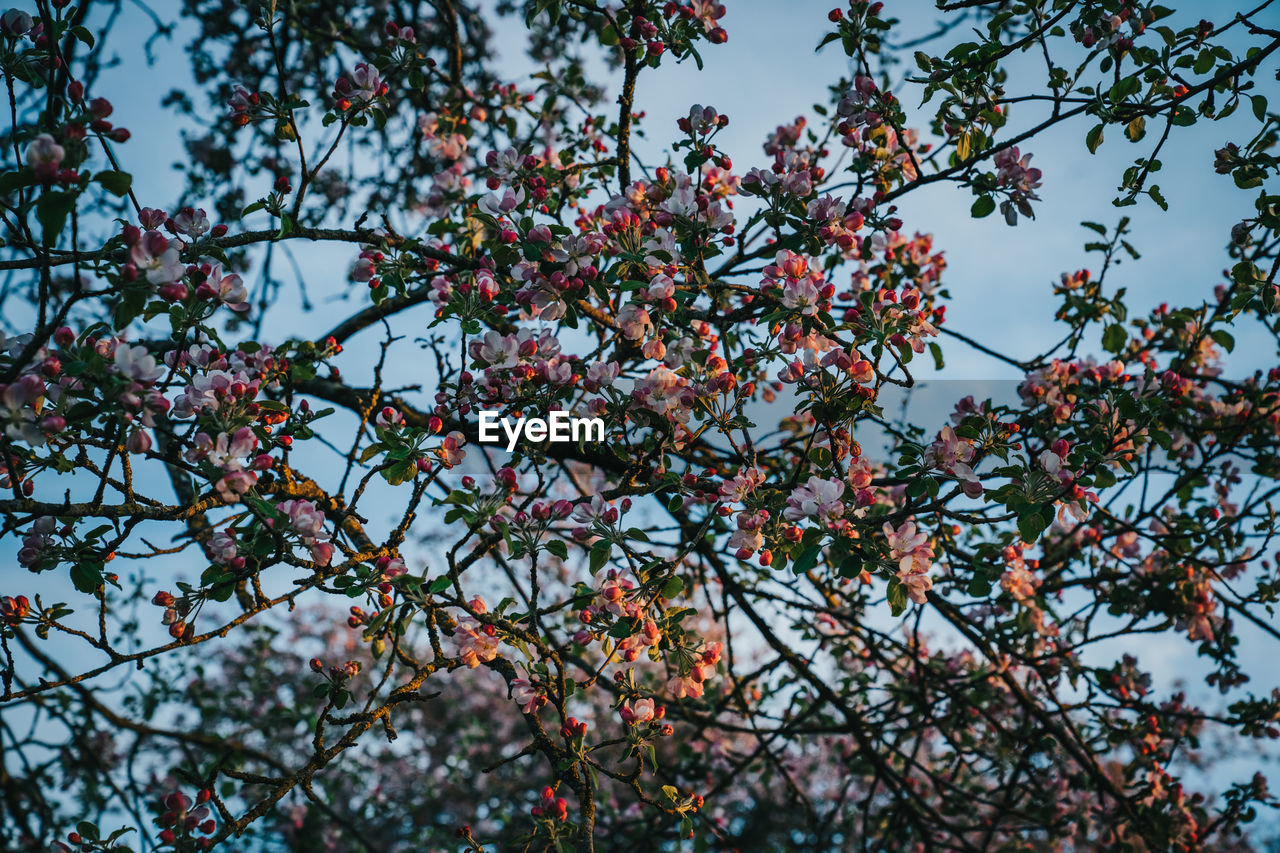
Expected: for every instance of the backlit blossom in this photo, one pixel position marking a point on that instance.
(817, 499)
(44, 156)
(909, 547)
(156, 257)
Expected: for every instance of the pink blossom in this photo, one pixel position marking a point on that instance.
(235, 485)
(366, 83)
(497, 350)
(157, 257)
(952, 455)
(527, 695)
(634, 322)
(1019, 582)
(136, 363)
(228, 450)
(637, 712)
(662, 391)
(450, 451)
(193, 222)
(743, 484)
(589, 511)
(304, 517)
(23, 401)
(222, 547)
(818, 499)
(910, 548)
(600, 374)
(682, 686)
(748, 539)
(44, 156)
(476, 643)
(499, 204)
(702, 120)
(138, 441)
(801, 294)
(228, 287)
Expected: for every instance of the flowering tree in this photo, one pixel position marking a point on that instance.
(277, 596)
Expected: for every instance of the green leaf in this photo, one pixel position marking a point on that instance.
(1030, 526)
(1245, 273)
(673, 587)
(400, 472)
(807, 559)
(936, 352)
(52, 210)
(1157, 197)
(440, 584)
(1093, 138)
(1224, 339)
(10, 181)
(897, 595)
(116, 183)
(1248, 177)
(96, 533)
(1259, 107)
(86, 577)
(557, 547)
(1114, 338)
(984, 206)
(600, 554)
(1124, 88)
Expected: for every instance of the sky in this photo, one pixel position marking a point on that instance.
(1000, 277)
(768, 73)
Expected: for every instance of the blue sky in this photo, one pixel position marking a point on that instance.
(1000, 277)
(768, 73)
